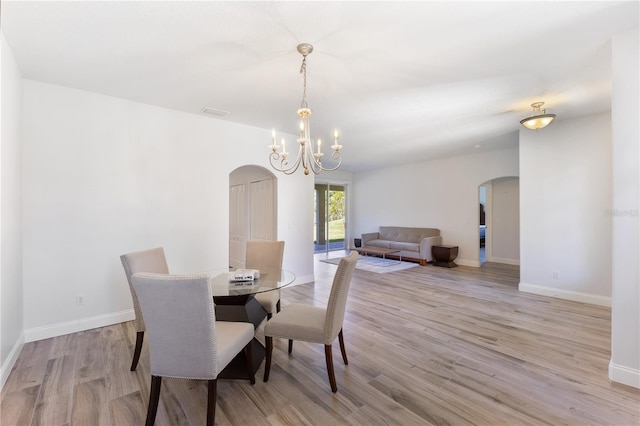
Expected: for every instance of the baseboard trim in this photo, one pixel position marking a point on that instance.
(625, 375)
(465, 262)
(477, 263)
(575, 296)
(8, 364)
(504, 260)
(67, 327)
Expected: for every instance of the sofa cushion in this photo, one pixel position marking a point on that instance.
(409, 235)
(404, 246)
(379, 243)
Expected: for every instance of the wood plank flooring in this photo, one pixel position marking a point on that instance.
(426, 345)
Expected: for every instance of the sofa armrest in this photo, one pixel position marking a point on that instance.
(426, 244)
(368, 237)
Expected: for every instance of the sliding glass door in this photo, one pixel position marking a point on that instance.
(330, 212)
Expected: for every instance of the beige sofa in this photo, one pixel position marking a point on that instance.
(414, 243)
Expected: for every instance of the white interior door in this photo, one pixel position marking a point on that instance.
(262, 210)
(252, 210)
(237, 225)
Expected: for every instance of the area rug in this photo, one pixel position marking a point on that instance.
(373, 264)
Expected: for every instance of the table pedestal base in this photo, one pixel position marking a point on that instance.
(243, 308)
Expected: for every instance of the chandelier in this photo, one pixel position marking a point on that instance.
(538, 118)
(306, 157)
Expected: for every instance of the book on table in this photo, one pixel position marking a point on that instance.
(244, 275)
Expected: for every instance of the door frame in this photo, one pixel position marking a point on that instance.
(347, 207)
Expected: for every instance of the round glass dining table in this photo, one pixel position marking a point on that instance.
(235, 301)
(268, 280)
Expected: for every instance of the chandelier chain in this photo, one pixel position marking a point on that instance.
(303, 71)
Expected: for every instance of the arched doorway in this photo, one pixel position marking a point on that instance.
(252, 210)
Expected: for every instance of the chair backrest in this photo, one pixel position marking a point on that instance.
(338, 297)
(264, 254)
(151, 260)
(180, 318)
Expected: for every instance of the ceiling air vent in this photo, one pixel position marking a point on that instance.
(215, 112)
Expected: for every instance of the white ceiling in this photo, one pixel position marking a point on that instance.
(402, 81)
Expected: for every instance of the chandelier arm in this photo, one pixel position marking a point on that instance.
(330, 169)
(296, 164)
(283, 163)
(315, 162)
(317, 166)
(304, 153)
(274, 157)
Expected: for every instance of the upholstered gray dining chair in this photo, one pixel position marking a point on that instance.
(152, 260)
(266, 255)
(314, 324)
(185, 340)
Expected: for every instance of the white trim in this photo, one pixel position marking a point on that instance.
(504, 260)
(8, 364)
(625, 375)
(575, 296)
(465, 262)
(54, 330)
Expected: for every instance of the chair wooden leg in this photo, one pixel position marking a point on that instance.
(268, 340)
(248, 353)
(278, 306)
(332, 376)
(342, 348)
(154, 397)
(290, 345)
(212, 394)
(137, 350)
(269, 315)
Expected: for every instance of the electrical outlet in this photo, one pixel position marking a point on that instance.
(79, 300)
(556, 275)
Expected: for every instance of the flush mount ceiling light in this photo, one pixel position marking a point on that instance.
(538, 118)
(306, 157)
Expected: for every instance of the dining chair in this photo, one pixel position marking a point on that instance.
(314, 324)
(152, 260)
(185, 340)
(266, 255)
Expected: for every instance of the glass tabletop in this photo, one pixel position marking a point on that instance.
(269, 280)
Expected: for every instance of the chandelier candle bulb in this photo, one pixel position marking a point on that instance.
(319, 143)
(335, 145)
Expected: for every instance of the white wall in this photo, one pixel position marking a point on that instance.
(625, 312)
(11, 316)
(434, 194)
(505, 221)
(565, 191)
(105, 176)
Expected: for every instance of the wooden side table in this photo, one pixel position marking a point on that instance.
(444, 255)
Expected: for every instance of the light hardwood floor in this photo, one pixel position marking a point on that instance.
(426, 345)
